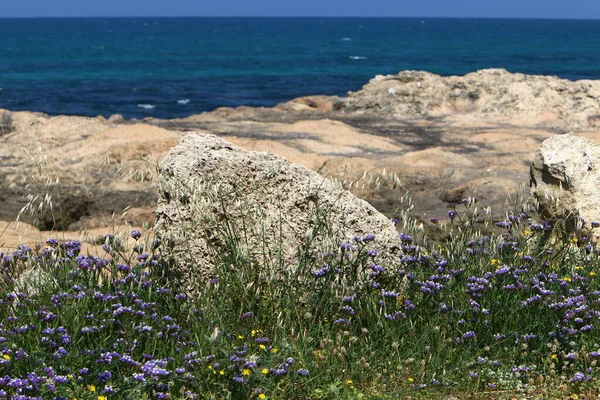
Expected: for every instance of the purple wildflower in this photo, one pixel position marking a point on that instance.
(578, 377)
(104, 376)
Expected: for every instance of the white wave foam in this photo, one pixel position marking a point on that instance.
(146, 106)
(357, 58)
(346, 39)
(183, 101)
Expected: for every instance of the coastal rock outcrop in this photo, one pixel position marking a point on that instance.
(214, 197)
(491, 93)
(443, 138)
(565, 179)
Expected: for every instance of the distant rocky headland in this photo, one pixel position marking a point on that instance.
(445, 138)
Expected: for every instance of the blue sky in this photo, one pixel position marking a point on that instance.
(401, 8)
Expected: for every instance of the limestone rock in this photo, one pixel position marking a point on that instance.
(211, 192)
(490, 93)
(445, 138)
(565, 179)
(68, 173)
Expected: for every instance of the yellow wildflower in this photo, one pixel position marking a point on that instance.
(92, 388)
(240, 336)
(221, 372)
(262, 396)
(349, 382)
(245, 372)
(495, 261)
(262, 346)
(554, 356)
(574, 240)
(411, 379)
(275, 350)
(592, 273)
(101, 397)
(567, 279)
(6, 357)
(265, 371)
(579, 267)
(526, 232)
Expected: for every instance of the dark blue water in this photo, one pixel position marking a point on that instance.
(174, 67)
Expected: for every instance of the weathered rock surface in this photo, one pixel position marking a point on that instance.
(492, 94)
(565, 179)
(71, 173)
(212, 193)
(446, 138)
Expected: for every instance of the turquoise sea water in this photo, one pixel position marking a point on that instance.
(174, 67)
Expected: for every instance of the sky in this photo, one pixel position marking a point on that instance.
(580, 9)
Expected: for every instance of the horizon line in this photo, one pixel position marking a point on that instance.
(296, 16)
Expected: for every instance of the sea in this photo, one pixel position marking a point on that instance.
(176, 67)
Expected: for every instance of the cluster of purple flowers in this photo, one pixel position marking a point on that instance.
(490, 279)
(489, 284)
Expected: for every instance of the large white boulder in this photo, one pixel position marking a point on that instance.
(212, 194)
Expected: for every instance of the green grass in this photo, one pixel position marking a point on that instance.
(511, 314)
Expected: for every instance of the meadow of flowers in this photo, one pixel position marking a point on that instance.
(510, 313)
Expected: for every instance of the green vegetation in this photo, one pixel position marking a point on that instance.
(514, 313)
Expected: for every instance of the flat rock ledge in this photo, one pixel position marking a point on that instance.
(214, 197)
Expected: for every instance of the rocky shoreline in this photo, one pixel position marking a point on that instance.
(445, 138)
